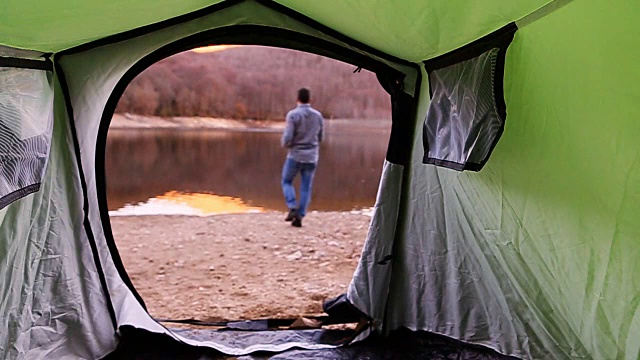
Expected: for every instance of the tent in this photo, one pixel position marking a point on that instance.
(519, 235)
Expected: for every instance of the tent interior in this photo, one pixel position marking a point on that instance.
(517, 236)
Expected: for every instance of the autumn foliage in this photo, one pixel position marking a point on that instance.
(253, 82)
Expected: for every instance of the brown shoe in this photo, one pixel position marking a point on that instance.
(297, 221)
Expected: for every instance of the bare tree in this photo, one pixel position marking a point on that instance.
(253, 82)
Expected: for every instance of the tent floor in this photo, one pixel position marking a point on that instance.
(402, 344)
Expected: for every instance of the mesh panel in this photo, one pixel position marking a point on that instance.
(463, 123)
(26, 116)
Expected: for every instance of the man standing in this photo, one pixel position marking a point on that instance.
(302, 136)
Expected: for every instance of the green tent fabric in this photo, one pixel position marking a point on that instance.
(534, 255)
(56, 25)
(439, 26)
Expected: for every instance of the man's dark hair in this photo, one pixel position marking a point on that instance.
(303, 95)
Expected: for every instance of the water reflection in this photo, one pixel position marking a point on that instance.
(176, 203)
(206, 169)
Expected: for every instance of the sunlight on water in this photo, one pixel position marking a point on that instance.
(190, 204)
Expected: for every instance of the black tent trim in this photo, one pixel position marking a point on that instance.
(19, 63)
(85, 207)
(404, 108)
(18, 194)
(246, 35)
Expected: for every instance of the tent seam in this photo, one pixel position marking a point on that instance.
(541, 12)
(150, 28)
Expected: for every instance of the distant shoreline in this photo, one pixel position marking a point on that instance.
(132, 121)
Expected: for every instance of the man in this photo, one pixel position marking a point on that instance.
(302, 136)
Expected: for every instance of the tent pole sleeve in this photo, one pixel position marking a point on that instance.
(401, 146)
(87, 226)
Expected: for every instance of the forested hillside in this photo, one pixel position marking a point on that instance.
(253, 82)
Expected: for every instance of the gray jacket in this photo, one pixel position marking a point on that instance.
(303, 133)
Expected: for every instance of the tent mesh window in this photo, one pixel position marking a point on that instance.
(467, 112)
(26, 108)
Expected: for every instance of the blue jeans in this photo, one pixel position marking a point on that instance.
(289, 171)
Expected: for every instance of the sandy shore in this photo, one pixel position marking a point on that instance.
(239, 266)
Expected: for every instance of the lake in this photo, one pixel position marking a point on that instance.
(208, 171)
